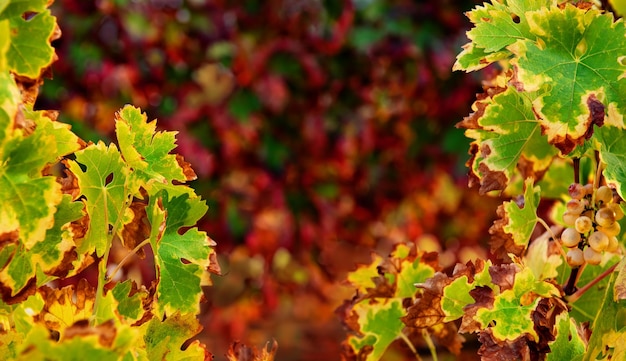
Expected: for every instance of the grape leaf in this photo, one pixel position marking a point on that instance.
(146, 151)
(382, 288)
(363, 277)
(380, 326)
(496, 26)
(444, 298)
(182, 260)
(511, 233)
(409, 269)
(30, 200)
(130, 300)
(66, 306)
(578, 65)
(568, 343)
(52, 255)
(507, 136)
(30, 51)
(611, 143)
(164, 339)
(512, 308)
(586, 307)
(608, 340)
(473, 58)
(499, 25)
(101, 174)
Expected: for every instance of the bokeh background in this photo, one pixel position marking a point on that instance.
(321, 131)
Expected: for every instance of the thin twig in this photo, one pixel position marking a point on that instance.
(126, 258)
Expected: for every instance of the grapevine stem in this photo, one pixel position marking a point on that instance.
(411, 347)
(576, 170)
(127, 257)
(102, 265)
(570, 286)
(576, 295)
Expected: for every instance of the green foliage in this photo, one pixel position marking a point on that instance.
(552, 116)
(66, 204)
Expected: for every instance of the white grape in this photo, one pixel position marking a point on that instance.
(583, 224)
(611, 230)
(604, 194)
(619, 214)
(570, 237)
(613, 245)
(598, 241)
(591, 256)
(576, 191)
(570, 218)
(575, 206)
(575, 257)
(605, 217)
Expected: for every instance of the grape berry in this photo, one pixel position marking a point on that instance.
(591, 217)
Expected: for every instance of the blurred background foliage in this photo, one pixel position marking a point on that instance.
(320, 130)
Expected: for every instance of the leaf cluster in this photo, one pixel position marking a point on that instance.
(66, 204)
(553, 111)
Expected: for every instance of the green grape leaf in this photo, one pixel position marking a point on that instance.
(182, 260)
(146, 151)
(443, 298)
(52, 255)
(164, 339)
(30, 51)
(101, 174)
(511, 233)
(29, 199)
(456, 296)
(130, 300)
(473, 58)
(608, 340)
(380, 326)
(497, 25)
(586, 307)
(576, 62)
(512, 309)
(612, 145)
(568, 344)
(363, 277)
(507, 137)
(39, 346)
(410, 270)
(83, 342)
(384, 285)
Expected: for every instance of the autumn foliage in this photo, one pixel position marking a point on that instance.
(304, 193)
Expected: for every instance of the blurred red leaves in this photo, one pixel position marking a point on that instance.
(319, 132)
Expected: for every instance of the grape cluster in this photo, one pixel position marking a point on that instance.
(591, 218)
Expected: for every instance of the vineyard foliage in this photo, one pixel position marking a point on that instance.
(65, 203)
(551, 116)
(320, 131)
(314, 129)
